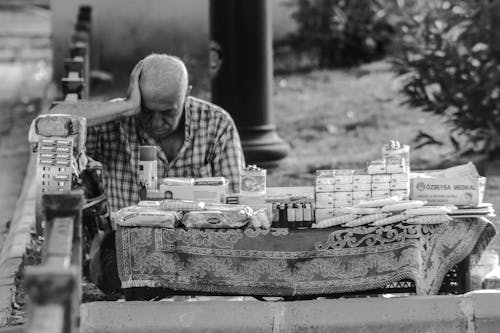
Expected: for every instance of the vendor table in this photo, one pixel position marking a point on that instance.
(284, 262)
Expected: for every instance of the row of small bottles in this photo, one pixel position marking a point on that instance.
(292, 215)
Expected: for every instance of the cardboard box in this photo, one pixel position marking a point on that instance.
(342, 203)
(325, 181)
(380, 186)
(177, 192)
(342, 196)
(380, 194)
(400, 177)
(362, 187)
(460, 191)
(397, 185)
(404, 194)
(362, 179)
(343, 187)
(323, 213)
(324, 188)
(324, 200)
(361, 195)
(381, 178)
(344, 176)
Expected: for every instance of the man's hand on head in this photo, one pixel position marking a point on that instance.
(134, 92)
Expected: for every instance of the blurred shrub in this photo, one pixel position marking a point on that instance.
(450, 69)
(335, 33)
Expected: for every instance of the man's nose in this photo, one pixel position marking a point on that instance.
(157, 116)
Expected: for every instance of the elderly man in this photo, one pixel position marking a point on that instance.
(194, 138)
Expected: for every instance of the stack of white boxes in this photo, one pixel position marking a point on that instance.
(346, 187)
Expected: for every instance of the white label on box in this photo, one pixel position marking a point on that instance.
(343, 187)
(380, 186)
(362, 179)
(342, 196)
(325, 181)
(323, 213)
(324, 188)
(381, 178)
(362, 187)
(361, 194)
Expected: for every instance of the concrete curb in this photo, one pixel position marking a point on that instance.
(472, 312)
(16, 241)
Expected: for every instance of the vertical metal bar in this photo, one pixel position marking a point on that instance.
(58, 207)
(241, 68)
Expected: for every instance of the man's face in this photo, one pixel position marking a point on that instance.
(161, 115)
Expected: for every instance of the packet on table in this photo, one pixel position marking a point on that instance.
(460, 185)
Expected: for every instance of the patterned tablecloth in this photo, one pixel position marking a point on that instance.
(297, 262)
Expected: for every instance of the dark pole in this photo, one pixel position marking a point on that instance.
(241, 66)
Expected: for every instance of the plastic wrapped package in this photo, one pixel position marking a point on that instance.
(146, 216)
(215, 219)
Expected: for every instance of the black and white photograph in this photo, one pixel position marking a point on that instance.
(249, 166)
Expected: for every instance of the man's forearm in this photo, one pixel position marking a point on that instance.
(96, 112)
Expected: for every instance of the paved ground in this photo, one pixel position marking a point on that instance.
(25, 69)
(25, 72)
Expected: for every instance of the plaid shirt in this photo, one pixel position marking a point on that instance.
(211, 148)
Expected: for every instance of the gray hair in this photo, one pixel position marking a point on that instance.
(162, 74)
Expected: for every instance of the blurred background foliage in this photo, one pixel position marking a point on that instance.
(445, 52)
(446, 57)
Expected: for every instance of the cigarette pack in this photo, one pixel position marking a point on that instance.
(377, 167)
(342, 203)
(342, 196)
(362, 179)
(323, 213)
(325, 188)
(398, 185)
(404, 194)
(380, 194)
(344, 176)
(324, 203)
(340, 187)
(395, 168)
(325, 181)
(362, 186)
(400, 177)
(380, 186)
(325, 173)
(381, 178)
(361, 195)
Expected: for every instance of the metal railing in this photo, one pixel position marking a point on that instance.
(54, 287)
